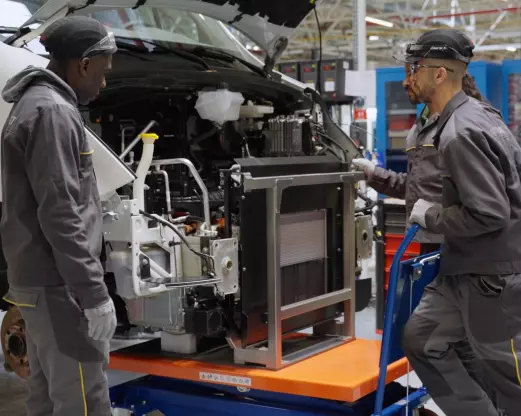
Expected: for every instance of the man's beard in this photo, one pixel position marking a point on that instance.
(425, 94)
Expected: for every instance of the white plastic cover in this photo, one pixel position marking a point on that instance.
(219, 106)
(111, 172)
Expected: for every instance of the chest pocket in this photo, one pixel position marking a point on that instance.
(429, 163)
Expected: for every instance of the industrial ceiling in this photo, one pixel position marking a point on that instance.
(493, 25)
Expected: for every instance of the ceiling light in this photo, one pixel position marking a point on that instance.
(511, 49)
(378, 22)
(374, 37)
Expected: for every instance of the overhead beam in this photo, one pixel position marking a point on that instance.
(492, 27)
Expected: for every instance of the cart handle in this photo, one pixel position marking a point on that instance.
(389, 313)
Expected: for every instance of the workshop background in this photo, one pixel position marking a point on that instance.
(355, 42)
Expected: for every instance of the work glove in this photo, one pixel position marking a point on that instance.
(366, 165)
(418, 212)
(102, 321)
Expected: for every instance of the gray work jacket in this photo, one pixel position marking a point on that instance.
(480, 215)
(51, 225)
(422, 180)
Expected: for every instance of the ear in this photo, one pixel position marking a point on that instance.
(84, 66)
(441, 75)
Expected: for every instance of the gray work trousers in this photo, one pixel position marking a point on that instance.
(486, 311)
(67, 368)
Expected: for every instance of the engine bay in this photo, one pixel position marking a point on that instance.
(199, 273)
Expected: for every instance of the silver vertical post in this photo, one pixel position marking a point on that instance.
(273, 201)
(274, 295)
(349, 256)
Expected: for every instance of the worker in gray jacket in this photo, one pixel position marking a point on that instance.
(423, 181)
(476, 295)
(51, 225)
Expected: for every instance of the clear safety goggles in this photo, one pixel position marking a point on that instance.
(105, 45)
(414, 68)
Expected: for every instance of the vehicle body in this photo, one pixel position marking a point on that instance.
(176, 63)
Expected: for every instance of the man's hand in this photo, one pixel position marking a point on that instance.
(418, 212)
(366, 165)
(102, 321)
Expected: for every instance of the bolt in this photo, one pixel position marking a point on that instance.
(144, 262)
(243, 197)
(244, 269)
(339, 250)
(338, 188)
(205, 249)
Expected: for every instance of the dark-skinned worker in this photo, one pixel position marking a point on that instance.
(52, 222)
(476, 295)
(423, 181)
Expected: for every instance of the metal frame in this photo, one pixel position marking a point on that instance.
(179, 397)
(272, 357)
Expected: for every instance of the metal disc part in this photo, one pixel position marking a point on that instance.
(14, 345)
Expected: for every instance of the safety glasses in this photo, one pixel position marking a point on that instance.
(105, 45)
(414, 68)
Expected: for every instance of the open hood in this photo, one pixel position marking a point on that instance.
(268, 23)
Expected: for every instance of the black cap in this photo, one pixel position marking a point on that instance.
(71, 36)
(441, 44)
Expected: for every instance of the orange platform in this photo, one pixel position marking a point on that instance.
(347, 372)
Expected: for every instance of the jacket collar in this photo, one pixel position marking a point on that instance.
(458, 100)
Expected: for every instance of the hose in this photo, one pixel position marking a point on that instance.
(208, 259)
(370, 203)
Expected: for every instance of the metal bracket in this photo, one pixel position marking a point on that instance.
(272, 356)
(418, 267)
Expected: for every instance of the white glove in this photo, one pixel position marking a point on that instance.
(366, 165)
(418, 212)
(102, 321)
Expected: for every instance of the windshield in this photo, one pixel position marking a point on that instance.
(170, 28)
(161, 25)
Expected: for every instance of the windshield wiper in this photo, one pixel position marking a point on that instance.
(220, 54)
(187, 55)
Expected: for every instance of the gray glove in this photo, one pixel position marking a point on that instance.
(366, 165)
(418, 212)
(102, 321)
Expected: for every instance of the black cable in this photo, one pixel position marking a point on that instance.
(208, 259)
(324, 135)
(370, 202)
(319, 70)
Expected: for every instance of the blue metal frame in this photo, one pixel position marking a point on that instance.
(180, 397)
(402, 299)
